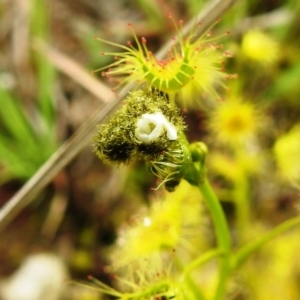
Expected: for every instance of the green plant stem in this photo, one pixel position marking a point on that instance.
(243, 210)
(202, 259)
(188, 282)
(241, 195)
(250, 248)
(222, 235)
(197, 293)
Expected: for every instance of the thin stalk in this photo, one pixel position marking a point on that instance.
(197, 293)
(250, 248)
(186, 280)
(241, 200)
(222, 235)
(241, 195)
(202, 259)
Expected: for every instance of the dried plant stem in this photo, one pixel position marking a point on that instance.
(75, 71)
(82, 136)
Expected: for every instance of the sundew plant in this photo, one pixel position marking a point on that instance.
(182, 246)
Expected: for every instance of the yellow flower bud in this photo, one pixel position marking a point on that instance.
(259, 46)
(234, 121)
(287, 154)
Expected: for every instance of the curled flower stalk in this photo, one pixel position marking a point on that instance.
(194, 65)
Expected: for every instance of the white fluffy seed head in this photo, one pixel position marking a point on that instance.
(151, 126)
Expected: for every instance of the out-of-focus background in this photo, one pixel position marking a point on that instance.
(47, 91)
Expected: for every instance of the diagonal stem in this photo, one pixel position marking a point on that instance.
(200, 261)
(244, 252)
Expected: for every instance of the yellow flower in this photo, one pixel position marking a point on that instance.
(259, 46)
(287, 154)
(234, 121)
(196, 63)
(161, 227)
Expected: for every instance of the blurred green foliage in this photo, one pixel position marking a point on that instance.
(24, 146)
(28, 133)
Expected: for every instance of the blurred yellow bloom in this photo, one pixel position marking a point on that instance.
(276, 275)
(162, 227)
(233, 169)
(234, 121)
(259, 46)
(287, 154)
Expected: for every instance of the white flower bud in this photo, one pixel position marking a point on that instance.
(151, 126)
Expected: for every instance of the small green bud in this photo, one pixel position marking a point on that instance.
(195, 174)
(198, 152)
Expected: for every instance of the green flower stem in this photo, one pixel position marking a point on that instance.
(188, 282)
(241, 195)
(202, 259)
(250, 248)
(222, 235)
(241, 200)
(197, 293)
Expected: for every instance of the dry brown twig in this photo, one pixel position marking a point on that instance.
(83, 135)
(75, 71)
